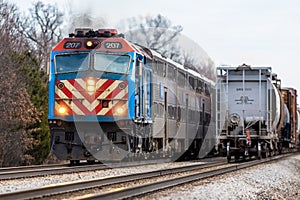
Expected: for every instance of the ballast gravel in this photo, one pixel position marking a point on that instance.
(273, 181)
(14, 185)
(276, 180)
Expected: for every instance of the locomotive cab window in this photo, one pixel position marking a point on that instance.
(71, 62)
(112, 63)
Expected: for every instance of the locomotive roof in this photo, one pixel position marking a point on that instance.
(179, 66)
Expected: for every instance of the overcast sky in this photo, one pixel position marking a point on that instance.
(232, 32)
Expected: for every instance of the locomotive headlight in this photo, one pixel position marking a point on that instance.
(62, 110)
(90, 82)
(92, 43)
(90, 85)
(89, 43)
(90, 88)
(120, 110)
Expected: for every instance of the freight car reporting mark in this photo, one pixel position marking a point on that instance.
(244, 99)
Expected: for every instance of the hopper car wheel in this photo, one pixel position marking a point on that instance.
(74, 162)
(244, 157)
(228, 158)
(236, 156)
(90, 162)
(228, 152)
(266, 151)
(258, 151)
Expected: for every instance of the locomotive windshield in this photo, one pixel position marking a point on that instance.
(112, 63)
(71, 62)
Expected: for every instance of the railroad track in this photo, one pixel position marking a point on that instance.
(42, 170)
(103, 182)
(141, 183)
(148, 188)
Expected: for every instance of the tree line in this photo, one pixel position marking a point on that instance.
(26, 40)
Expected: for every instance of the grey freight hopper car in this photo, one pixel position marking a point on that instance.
(249, 112)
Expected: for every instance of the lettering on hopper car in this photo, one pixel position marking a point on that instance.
(245, 100)
(241, 89)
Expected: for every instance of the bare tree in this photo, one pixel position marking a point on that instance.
(157, 33)
(42, 28)
(205, 65)
(17, 113)
(85, 20)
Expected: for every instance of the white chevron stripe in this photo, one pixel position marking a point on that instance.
(91, 106)
(73, 90)
(121, 94)
(100, 82)
(78, 95)
(80, 82)
(63, 96)
(108, 90)
(94, 104)
(103, 111)
(60, 93)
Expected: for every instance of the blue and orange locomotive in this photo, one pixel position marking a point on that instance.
(110, 100)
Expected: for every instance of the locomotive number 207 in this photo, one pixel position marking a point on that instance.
(72, 45)
(112, 45)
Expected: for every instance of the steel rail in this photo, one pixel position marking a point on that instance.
(7, 174)
(30, 167)
(142, 189)
(42, 170)
(100, 182)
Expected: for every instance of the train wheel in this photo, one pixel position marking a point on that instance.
(90, 162)
(236, 157)
(228, 158)
(74, 162)
(265, 152)
(228, 152)
(258, 151)
(271, 152)
(244, 157)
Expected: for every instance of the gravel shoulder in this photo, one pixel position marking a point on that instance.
(280, 180)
